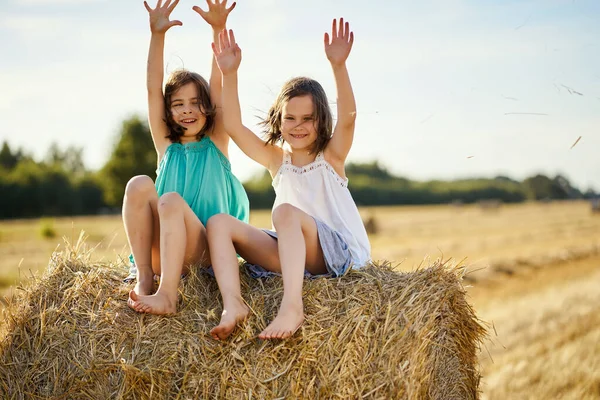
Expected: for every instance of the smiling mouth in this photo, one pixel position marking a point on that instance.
(188, 120)
(298, 135)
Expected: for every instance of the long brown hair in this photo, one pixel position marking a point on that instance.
(301, 86)
(176, 80)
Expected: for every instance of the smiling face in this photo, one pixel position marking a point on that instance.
(187, 111)
(298, 124)
(190, 113)
(300, 116)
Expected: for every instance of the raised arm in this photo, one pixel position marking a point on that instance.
(229, 56)
(337, 49)
(216, 17)
(159, 24)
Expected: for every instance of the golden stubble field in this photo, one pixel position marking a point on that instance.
(535, 278)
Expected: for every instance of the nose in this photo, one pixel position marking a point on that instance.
(299, 126)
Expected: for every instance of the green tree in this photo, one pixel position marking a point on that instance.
(541, 187)
(133, 154)
(69, 160)
(8, 159)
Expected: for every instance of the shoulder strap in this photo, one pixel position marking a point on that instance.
(287, 158)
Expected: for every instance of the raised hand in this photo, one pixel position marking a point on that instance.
(217, 13)
(338, 48)
(159, 16)
(227, 54)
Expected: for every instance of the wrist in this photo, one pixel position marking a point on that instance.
(218, 28)
(229, 74)
(338, 66)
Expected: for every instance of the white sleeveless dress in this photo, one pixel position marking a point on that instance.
(320, 192)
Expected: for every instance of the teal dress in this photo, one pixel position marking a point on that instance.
(202, 175)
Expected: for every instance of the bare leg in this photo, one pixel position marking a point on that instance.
(299, 248)
(182, 242)
(226, 235)
(140, 218)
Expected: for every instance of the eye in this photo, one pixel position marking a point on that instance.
(288, 118)
(308, 118)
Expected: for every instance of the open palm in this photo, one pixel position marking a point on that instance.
(337, 48)
(217, 12)
(227, 53)
(159, 16)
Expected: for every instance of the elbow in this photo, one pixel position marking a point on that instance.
(348, 121)
(352, 117)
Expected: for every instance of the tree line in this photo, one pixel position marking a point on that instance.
(60, 184)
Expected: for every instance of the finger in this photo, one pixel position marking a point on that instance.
(226, 38)
(326, 39)
(351, 39)
(230, 8)
(159, 4)
(223, 40)
(200, 11)
(231, 37)
(166, 5)
(173, 5)
(147, 7)
(175, 23)
(334, 29)
(346, 30)
(215, 49)
(341, 31)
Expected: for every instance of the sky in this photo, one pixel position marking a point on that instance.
(445, 89)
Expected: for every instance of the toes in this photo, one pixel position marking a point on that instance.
(214, 332)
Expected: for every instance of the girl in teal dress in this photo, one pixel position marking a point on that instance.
(165, 220)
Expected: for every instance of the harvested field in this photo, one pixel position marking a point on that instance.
(535, 278)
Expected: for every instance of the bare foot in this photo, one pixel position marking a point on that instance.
(235, 313)
(288, 320)
(158, 303)
(142, 287)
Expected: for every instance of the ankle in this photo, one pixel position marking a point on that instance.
(233, 301)
(294, 304)
(170, 296)
(144, 272)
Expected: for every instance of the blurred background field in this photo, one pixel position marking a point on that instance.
(534, 277)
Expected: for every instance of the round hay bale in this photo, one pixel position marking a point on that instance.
(374, 333)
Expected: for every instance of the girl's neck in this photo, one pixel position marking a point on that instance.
(188, 139)
(302, 157)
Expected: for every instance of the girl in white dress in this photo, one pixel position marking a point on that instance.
(318, 228)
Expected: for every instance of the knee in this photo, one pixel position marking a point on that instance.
(169, 203)
(284, 214)
(218, 224)
(139, 187)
